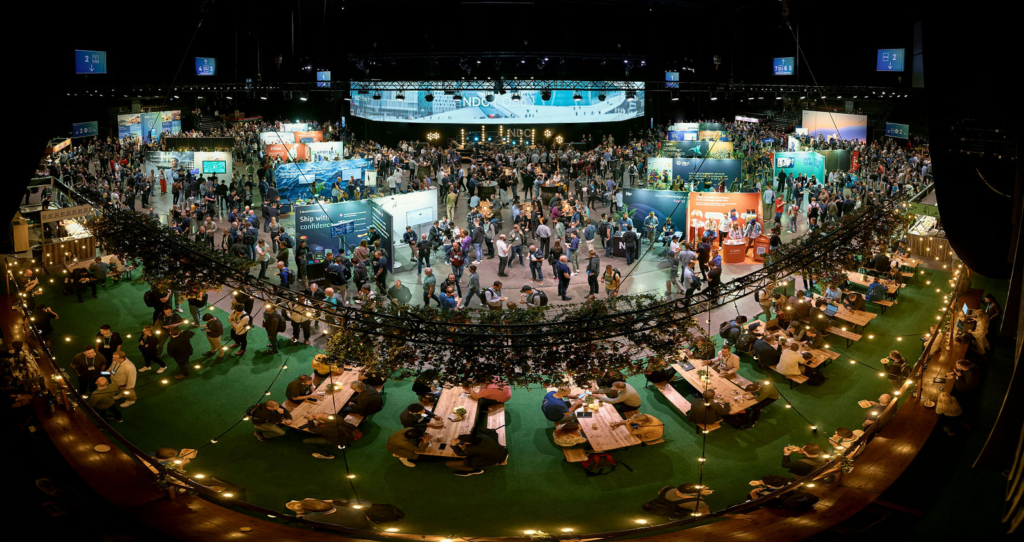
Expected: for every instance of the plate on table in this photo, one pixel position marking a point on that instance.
(101, 448)
(929, 404)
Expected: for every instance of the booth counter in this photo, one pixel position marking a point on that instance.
(734, 251)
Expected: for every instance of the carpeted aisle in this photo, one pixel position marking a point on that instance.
(536, 490)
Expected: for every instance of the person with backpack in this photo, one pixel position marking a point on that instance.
(532, 298)
(684, 500)
(273, 323)
(286, 274)
(612, 281)
(478, 450)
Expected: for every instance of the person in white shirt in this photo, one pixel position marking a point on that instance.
(122, 376)
(504, 250)
(791, 363)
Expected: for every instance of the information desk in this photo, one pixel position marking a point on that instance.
(727, 389)
(734, 251)
(597, 426)
(328, 401)
(445, 409)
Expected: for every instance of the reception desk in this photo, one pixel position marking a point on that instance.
(734, 251)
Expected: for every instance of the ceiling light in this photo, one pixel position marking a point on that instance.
(674, 96)
(303, 97)
(376, 96)
(713, 98)
(545, 95)
(601, 97)
(457, 97)
(576, 97)
(400, 96)
(630, 95)
(429, 97)
(516, 97)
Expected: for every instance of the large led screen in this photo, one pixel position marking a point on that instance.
(475, 108)
(836, 125)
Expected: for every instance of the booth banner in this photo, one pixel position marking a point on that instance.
(665, 204)
(294, 179)
(662, 167)
(710, 135)
(685, 126)
(322, 152)
(382, 221)
(682, 135)
(417, 209)
(152, 126)
(746, 119)
(807, 162)
(171, 121)
(314, 222)
(837, 159)
(700, 149)
(294, 126)
(85, 129)
(60, 146)
(174, 160)
(710, 170)
(277, 137)
(714, 206)
(129, 125)
(308, 137)
(288, 152)
(792, 144)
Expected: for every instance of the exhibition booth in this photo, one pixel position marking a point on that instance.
(706, 210)
(198, 163)
(149, 126)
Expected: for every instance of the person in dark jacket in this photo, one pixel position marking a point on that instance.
(300, 389)
(416, 416)
(766, 354)
(811, 459)
(271, 323)
(478, 451)
(214, 331)
(179, 347)
(267, 419)
(705, 411)
(365, 402)
(329, 433)
(854, 302)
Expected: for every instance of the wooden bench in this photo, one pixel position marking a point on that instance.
(882, 303)
(793, 379)
(850, 336)
(496, 422)
(682, 403)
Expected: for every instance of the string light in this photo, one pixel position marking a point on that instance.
(641, 521)
(199, 476)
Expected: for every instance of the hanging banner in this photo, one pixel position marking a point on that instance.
(294, 126)
(288, 152)
(129, 125)
(706, 172)
(308, 137)
(85, 129)
(277, 137)
(322, 152)
(152, 126)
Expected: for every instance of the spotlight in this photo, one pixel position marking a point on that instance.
(601, 97)
(674, 96)
(577, 97)
(630, 95)
(713, 98)
(489, 97)
(400, 96)
(545, 95)
(303, 97)
(457, 97)
(516, 97)
(429, 97)
(376, 96)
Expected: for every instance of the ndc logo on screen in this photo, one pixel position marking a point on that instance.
(629, 193)
(682, 162)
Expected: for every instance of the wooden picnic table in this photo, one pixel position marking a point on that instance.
(857, 318)
(445, 409)
(727, 389)
(912, 263)
(596, 425)
(818, 356)
(330, 403)
(858, 278)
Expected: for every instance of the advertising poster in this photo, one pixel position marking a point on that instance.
(382, 221)
(294, 179)
(700, 149)
(665, 204)
(308, 137)
(710, 171)
(314, 222)
(835, 125)
(129, 125)
(226, 163)
(277, 137)
(808, 163)
(176, 121)
(322, 152)
(152, 126)
(705, 206)
(173, 160)
(288, 152)
(792, 144)
(662, 167)
(85, 129)
(171, 122)
(475, 108)
(294, 126)
(685, 126)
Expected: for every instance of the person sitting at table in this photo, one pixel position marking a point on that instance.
(407, 443)
(329, 433)
(833, 293)
(479, 451)
(726, 363)
(764, 353)
(809, 337)
(267, 419)
(625, 398)
(875, 409)
(767, 485)
(610, 377)
(800, 307)
(365, 402)
(791, 363)
(876, 290)
(416, 416)
(322, 369)
(896, 369)
(659, 371)
(300, 389)
(782, 314)
(854, 302)
(556, 408)
(687, 498)
(644, 427)
(705, 411)
(819, 320)
(843, 438)
(881, 263)
(811, 459)
(568, 435)
(491, 393)
(372, 379)
(425, 386)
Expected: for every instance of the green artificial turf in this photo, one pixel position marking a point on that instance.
(537, 489)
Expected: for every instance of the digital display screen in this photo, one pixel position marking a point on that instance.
(206, 66)
(783, 65)
(671, 79)
(890, 60)
(835, 125)
(475, 108)
(214, 166)
(323, 79)
(782, 162)
(90, 62)
(901, 131)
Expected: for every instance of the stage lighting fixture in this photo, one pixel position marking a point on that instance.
(577, 97)
(516, 97)
(457, 97)
(674, 96)
(489, 97)
(303, 97)
(232, 98)
(545, 95)
(601, 97)
(400, 97)
(630, 95)
(429, 97)
(377, 96)
(264, 97)
(713, 98)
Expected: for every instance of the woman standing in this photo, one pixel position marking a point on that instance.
(163, 181)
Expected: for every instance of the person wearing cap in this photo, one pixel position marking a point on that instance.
(532, 298)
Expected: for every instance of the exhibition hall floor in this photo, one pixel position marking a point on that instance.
(537, 489)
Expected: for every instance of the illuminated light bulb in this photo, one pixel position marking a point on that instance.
(696, 514)
(325, 332)
(810, 485)
(826, 456)
(828, 345)
(909, 381)
(196, 366)
(937, 290)
(706, 431)
(129, 336)
(881, 374)
(213, 441)
(357, 506)
(228, 495)
(529, 531)
(928, 282)
(392, 529)
(789, 405)
(177, 461)
(766, 382)
(330, 417)
(199, 476)
(874, 413)
(938, 318)
(897, 392)
(126, 392)
(270, 305)
(852, 361)
(245, 419)
(641, 521)
(844, 329)
(235, 292)
(164, 381)
(285, 367)
(566, 530)
(814, 428)
(702, 459)
(225, 348)
(350, 476)
(268, 393)
(871, 336)
(157, 332)
(184, 321)
(97, 339)
(899, 338)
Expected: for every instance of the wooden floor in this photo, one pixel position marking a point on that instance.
(130, 487)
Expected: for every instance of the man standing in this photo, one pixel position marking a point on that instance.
(423, 248)
(98, 270)
(474, 286)
(516, 240)
(630, 240)
(122, 377)
(239, 322)
(88, 364)
(574, 252)
(478, 241)
(593, 271)
(272, 324)
(564, 274)
(108, 342)
(180, 348)
(104, 400)
(536, 264)
(544, 234)
(214, 331)
(504, 250)
(380, 272)
(429, 285)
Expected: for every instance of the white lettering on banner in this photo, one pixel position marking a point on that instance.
(65, 213)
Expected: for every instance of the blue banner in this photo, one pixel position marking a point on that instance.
(295, 180)
(129, 125)
(152, 126)
(664, 203)
(901, 131)
(316, 222)
(709, 171)
(90, 62)
(807, 163)
(85, 129)
(783, 65)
